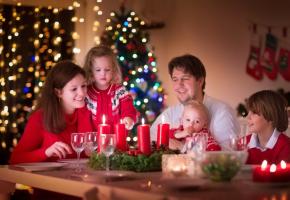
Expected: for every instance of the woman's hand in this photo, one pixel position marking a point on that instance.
(58, 149)
(129, 122)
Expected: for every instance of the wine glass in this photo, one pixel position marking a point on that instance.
(91, 140)
(78, 145)
(238, 143)
(107, 146)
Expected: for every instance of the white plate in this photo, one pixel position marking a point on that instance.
(74, 161)
(40, 166)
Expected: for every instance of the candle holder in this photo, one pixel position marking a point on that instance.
(271, 172)
(177, 165)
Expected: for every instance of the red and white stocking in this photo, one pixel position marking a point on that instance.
(268, 57)
(254, 68)
(283, 63)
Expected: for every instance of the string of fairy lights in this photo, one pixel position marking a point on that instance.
(47, 41)
(126, 34)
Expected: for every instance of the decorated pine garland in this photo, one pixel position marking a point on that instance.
(125, 161)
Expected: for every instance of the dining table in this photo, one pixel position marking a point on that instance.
(90, 184)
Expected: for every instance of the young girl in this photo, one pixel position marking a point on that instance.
(105, 94)
(59, 112)
(195, 122)
(267, 120)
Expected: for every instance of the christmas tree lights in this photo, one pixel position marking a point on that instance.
(126, 33)
(32, 40)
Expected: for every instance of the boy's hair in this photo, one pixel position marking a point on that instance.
(200, 106)
(272, 106)
(100, 51)
(189, 64)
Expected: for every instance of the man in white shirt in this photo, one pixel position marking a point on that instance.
(188, 76)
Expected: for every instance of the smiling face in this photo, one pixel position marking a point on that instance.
(195, 118)
(72, 95)
(186, 86)
(102, 70)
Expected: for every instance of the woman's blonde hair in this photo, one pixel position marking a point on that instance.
(100, 51)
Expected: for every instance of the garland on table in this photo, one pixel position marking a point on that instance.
(124, 161)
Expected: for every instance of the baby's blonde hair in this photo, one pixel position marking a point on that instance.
(199, 106)
(100, 51)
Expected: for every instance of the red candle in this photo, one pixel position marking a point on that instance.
(121, 136)
(162, 134)
(282, 173)
(272, 173)
(143, 132)
(104, 128)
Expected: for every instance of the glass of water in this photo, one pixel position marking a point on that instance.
(107, 146)
(78, 145)
(91, 142)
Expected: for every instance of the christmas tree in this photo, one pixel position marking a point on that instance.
(32, 40)
(128, 35)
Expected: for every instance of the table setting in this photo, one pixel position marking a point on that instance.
(153, 167)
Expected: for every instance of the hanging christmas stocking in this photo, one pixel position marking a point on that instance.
(253, 65)
(283, 61)
(268, 57)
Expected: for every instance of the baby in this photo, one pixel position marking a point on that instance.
(194, 129)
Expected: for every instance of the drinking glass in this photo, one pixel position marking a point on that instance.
(107, 146)
(238, 143)
(78, 145)
(91, 140)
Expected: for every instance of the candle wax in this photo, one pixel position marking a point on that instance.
(121, 136)
(143, 132)
(162, 135)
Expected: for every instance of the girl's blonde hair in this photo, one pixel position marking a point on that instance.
(100, 51)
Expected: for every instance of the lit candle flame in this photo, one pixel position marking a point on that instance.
(104, 119)
(283, 164)
(162, 119)
(264, 164)
(143, 121)
(273, 168)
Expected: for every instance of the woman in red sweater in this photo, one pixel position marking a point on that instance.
(59, 112)
(106, 96)
(267, 120)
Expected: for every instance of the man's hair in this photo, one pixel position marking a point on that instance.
(189, 64)
(272, 106)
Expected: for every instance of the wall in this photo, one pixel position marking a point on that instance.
(218, 33)
(215, 31)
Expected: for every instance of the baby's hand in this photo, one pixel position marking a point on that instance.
(175, 144)
(129, 122)
(189, 130)
(181, 134)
